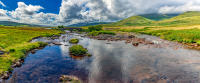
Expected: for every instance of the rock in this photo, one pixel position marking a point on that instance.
(33, 51)
(18, 64)
(66, 45)
(5, 76)
(57, 43)
(69, 79)
(135, 43)
(196, 45)
(131, 36)
(128, 41)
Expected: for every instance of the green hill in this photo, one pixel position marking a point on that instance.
(187, 18)
(133, 21)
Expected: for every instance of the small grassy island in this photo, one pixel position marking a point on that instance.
(73, 41)
(78, 50)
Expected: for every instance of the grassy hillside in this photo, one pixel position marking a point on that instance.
(158, 17)
(184, 28)
(133, 21)
(187, 18)
(14, 41)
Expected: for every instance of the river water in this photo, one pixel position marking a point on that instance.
(113, 62)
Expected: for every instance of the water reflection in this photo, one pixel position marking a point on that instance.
(111, 63)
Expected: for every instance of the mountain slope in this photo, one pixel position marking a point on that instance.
(133, 21)
(187, 18)
(10, 23)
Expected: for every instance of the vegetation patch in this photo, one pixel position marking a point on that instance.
(96, 33)
(78, 50)
(73, 41)
(95, 28)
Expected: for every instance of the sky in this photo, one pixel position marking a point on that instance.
(67, 12)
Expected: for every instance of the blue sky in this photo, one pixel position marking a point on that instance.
(50, 6)
(67, 12)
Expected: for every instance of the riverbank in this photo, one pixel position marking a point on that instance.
(15, 44)
(158, 62)
(190, 37)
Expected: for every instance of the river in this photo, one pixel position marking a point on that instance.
(113, 62)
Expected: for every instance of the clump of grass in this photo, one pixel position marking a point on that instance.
(96, 33)
(73, 41)
(95, 28)
(78, 50)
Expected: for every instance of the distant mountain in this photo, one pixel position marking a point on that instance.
(88, 24)
(158, 17)
(10, 23)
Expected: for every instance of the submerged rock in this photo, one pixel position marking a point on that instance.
(69, 79)
(57, 43)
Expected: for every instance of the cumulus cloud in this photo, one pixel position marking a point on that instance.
(76, 11)
(2, 4)
(30, 14)
(189, 6)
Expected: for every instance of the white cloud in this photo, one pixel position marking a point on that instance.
(30, 14)
(76, 11)
(2, 4)
(190, 6)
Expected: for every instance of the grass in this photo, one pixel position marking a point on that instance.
(96, 33)
(183, 36)
(73, 41)
(15, 41)
(78, 50)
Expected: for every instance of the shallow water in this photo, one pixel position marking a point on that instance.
(117, 62)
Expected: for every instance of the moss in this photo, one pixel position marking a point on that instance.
(73, 41)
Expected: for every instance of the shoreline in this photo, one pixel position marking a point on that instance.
(18, 63)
